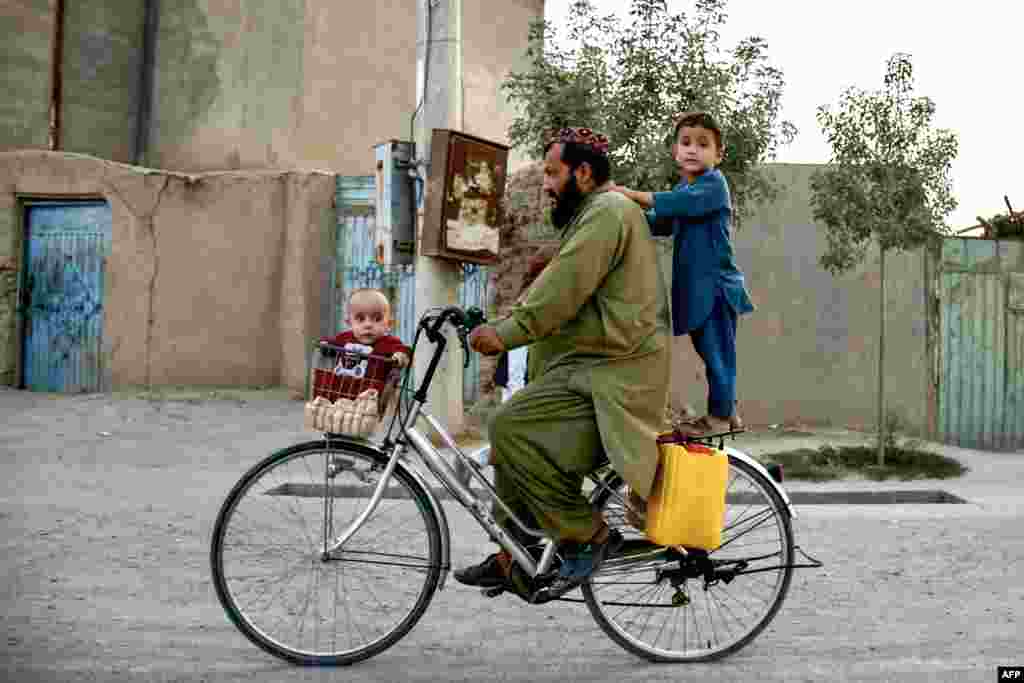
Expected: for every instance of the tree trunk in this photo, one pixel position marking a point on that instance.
(881, 358)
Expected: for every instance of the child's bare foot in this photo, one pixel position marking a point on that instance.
(709, 424)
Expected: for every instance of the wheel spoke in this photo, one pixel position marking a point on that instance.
(663, 610)
(287, 598)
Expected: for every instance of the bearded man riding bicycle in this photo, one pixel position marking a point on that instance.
(602, 360)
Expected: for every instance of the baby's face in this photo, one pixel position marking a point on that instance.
(369, 319)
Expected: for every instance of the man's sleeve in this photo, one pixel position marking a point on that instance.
(568, 281)
(704, 196)
(659, 225)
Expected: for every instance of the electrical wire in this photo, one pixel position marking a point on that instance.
(426, 76)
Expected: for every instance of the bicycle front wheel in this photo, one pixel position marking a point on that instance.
(306, 606)
(668, 607)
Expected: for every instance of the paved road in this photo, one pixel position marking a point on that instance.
(107, 507)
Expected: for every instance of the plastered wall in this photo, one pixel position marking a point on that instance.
(212, 279)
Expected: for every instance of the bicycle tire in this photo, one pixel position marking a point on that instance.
(640, 614)
(282, 509)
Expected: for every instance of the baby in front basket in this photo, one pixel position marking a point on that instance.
(351, 398)
(369, 317)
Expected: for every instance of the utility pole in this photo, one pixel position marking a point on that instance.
(439, 90)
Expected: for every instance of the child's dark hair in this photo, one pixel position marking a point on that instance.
(692, 119)
(574, 154)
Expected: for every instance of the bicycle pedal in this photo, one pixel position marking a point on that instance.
(493, 592)
(539, 597)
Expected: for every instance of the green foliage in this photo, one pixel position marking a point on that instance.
(888, 180)
(631, 81)
(907, 462)
(1003, 225)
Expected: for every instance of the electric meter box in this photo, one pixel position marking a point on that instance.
(465, 188)
(395, 232)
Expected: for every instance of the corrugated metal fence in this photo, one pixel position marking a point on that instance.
(357, 267)
(981, 327)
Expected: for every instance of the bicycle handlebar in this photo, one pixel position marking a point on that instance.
(463, 320)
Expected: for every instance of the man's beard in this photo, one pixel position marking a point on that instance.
(567, 204)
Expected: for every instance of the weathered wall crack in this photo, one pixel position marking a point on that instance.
(151, 316)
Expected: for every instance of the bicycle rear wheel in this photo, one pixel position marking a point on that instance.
(656, 603)
(277, 585)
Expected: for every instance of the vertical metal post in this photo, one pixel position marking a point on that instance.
(56, 75)
(438, 50)
(882, 427)
(144, 115)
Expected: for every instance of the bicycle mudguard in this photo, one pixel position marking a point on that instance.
(761, 469)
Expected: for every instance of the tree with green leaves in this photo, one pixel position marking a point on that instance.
(887, 184)
(630, 81)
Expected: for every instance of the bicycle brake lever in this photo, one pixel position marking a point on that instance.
(465, 347)
(473, 318)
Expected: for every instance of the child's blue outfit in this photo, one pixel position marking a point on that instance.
(708, 291)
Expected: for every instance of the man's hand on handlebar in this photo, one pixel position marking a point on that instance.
(484, 339)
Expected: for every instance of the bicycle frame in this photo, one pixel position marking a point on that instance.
(437, 465)
(459, 488)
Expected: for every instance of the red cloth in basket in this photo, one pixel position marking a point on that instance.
(349, 372)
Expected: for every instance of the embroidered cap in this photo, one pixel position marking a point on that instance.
(597, 142)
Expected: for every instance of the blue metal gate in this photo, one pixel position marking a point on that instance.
(357, 267)
(981, 316)
(65, 253)
(473, 292)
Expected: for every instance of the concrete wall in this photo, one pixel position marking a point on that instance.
(212, 278)
(494, 43)
(228, 84)
(244, 85)
(100, 77)
(25, 52)
(313, 83)
(808, 354)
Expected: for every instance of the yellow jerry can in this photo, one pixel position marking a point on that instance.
(687, 503)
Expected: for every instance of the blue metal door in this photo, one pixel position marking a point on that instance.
(65, 253)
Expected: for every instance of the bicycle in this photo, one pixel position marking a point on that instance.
(343, 541)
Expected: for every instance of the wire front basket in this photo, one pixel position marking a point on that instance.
(350, 389)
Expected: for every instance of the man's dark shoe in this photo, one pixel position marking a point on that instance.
(490, 573)
(581, 561)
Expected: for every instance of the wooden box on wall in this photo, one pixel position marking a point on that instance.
(464, 198)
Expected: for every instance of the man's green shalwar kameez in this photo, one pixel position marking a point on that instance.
(599, 369)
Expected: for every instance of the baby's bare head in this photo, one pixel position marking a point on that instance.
(369, 315)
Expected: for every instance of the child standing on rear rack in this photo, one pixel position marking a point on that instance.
(708, 290)
(368, 316)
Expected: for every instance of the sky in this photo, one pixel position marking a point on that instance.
(968, 58)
